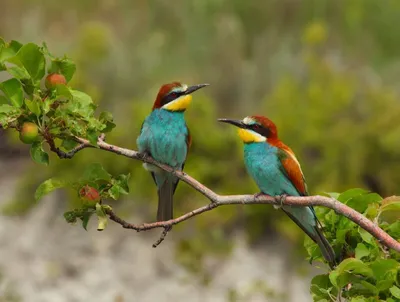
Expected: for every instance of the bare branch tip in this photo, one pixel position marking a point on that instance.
(162, 237)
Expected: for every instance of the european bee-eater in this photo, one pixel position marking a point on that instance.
(277, 172)
(165, 137)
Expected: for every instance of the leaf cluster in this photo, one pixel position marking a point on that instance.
(61, 113)
(368, 272)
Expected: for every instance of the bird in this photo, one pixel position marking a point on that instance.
(277, 172)
(165, 136)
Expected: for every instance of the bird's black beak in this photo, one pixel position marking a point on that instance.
(193, 88)
(237, 123)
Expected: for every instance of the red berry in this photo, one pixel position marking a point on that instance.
(54, 79)
(88, 193)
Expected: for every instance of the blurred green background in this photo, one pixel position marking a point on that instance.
(325, 71)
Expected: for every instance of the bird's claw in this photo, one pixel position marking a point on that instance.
(258, 195)
(281, 199)
(144, 155)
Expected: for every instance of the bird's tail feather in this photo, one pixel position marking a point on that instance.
(326, 249)
(165, 200)
(313, 231)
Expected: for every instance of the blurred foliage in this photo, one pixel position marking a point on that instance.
(369, 271)
(325, 71)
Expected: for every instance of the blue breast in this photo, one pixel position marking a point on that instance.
(265, 168)
(164, 135)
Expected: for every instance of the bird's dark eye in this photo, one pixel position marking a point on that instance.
(256, 126)
(173, 94)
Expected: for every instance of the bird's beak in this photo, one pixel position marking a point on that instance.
(237, 123)
(193, 88)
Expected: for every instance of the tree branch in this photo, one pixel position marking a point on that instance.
(217, 200)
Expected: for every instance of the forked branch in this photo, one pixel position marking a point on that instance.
(217, 200)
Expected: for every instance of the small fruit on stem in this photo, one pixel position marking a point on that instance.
(29, 133)
(89, 195)
(54, 79)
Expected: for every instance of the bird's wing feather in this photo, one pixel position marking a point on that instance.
(188, 144)
(291, 168)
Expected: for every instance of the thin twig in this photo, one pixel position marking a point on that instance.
(162, 237)
(62, 154)
(222, 200)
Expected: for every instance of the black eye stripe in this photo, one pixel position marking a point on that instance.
(170, 97)
(260, 130)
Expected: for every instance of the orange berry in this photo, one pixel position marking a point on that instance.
(29, 133)
(54, 79)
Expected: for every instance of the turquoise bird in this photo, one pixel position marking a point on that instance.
(277, 172)
(165, 137)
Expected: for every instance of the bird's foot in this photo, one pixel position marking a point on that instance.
(258, 195)
(144, 155)
(281, 199)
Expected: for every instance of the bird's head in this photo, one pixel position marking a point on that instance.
(175, 96)
(254, 129)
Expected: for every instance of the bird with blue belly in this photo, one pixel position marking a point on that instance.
(165, 136)
(277, 172)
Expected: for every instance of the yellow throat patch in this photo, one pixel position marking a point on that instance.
(180, 104)
(249, 136)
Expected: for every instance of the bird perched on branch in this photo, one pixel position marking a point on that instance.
(277, 172)
(165, 137)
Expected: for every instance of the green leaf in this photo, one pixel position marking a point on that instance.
(69, 144)
(320, 287)
(361, 202)
(18, 72)
(385, 269)
(372, 211)
(390, 209)
(81, 103)
(352, 266)
(107, 119)
(102, 218)
(347, 195)
(384, 285)
(391, 204)
(3, 100)
(358, 299)
(368, 287)
(120, 186)
(92, 136)
(64, 66)
(96, 172)
(33, 60)
(48, 186)
(28, 85)
(395, 291)
(8, 114)
(394, 229)
(6, 108)
(114, 192)
(63, 90)
(9, 50)
(312, 249)
(38, 154)
(122, 182)
(33, 106)
(367, 237)
(362, 251)
(12, 88)
(85, 219)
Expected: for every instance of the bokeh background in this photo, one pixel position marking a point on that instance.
(327, 73)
